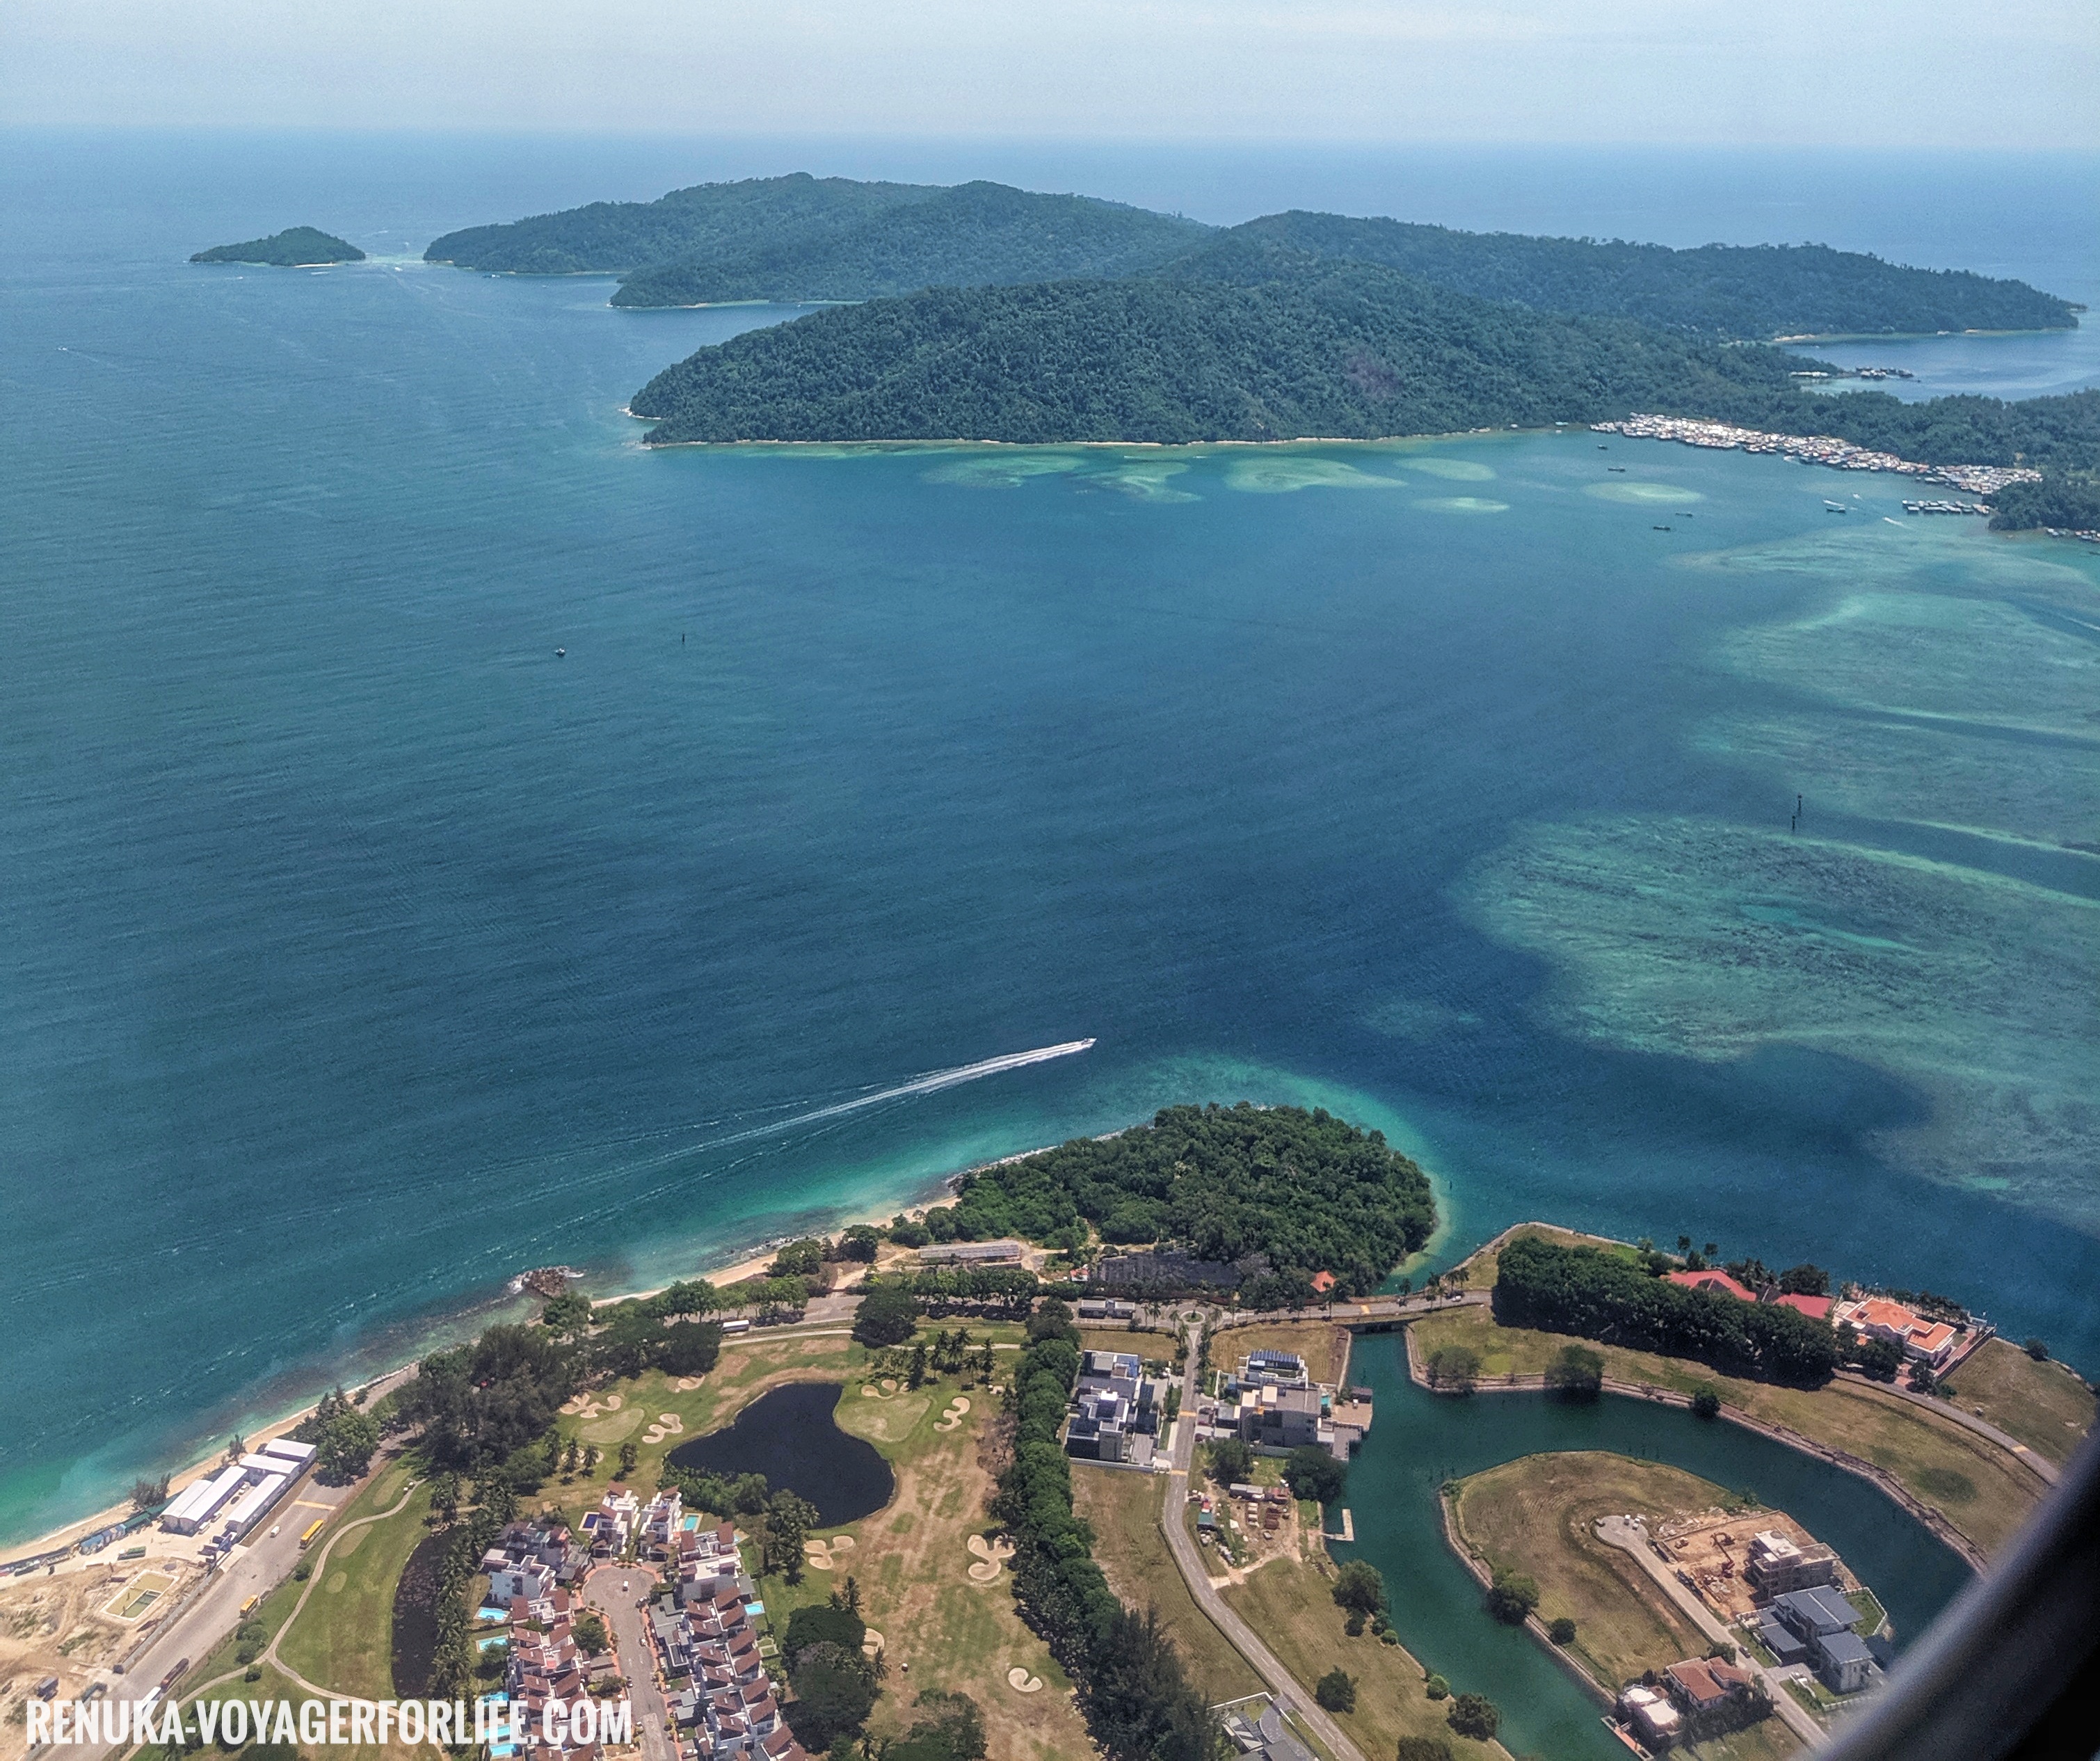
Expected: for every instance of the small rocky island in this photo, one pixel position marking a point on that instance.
(295, 248)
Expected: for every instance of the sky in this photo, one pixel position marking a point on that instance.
(1891, 73)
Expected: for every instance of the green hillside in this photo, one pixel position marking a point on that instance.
(973, 234)
(1304, 347)
(1335, 350)
(1757, 291)
(708, 219)
(294, 247)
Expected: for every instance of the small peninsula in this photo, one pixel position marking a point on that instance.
(301, 247)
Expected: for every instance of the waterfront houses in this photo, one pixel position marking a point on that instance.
(1816, 449)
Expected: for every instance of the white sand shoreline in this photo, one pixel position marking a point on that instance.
(733, 1272)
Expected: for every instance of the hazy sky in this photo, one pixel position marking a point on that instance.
(1886, 73)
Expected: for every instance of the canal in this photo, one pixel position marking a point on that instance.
(1420, 1440)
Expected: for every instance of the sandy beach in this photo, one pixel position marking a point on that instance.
(731, 1273)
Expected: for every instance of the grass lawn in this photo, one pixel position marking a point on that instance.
(1292, 1606)
(1124, 1511)
(2045, 1405)
(343, 1639)
(1771, 1739)
(1535, 1514)
(1324, 1347)
(1978, 1487)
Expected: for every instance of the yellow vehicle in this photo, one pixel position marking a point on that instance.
(248, 1608)
(313, 1529)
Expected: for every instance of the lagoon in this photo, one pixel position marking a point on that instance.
(1420, 1440)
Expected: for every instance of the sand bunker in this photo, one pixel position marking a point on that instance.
(666, 1424)
(686, 1384)
(870, 1643)
(590, 1405)
(953, 1416)
(991, 1557)
(1021, 1682)
(824, 1554)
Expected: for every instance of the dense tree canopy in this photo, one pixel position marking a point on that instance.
(708, 219)
(1540, 1283)
(294, 247)
(1723, 291)
(1298, 346)
(1307, 1191)
(479, 1403)
(974, 234)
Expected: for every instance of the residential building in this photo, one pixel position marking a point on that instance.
(1116, 1410)
(1816, 1308)
(1283, 1419)
(1934, 1342)
(719, 1690)
(660, 1525)
(612, 1526)
(1704, 1684)
(1655, 1721)
(1256, 1729)
(1715, 1283)
(1844, 1663)
(1274, 1369)
(1777, 1564)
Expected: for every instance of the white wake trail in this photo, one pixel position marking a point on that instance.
(931, 1084)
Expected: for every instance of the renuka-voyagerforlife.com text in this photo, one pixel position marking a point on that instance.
(313, 1723)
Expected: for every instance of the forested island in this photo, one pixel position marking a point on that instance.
(295, 248)
(1259, 341)
(1281, 1193)
(800, 238)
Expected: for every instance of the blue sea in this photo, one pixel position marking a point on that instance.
(365, 949)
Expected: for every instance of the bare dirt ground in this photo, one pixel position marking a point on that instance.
(1714, 1547)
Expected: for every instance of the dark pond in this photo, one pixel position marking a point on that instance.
(788, 1436)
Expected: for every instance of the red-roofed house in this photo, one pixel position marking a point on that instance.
(1816, 1308)
(1715, 1283)
(1878, 1317)
(1323, 1282)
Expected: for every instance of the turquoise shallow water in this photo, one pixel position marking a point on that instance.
(364, 953)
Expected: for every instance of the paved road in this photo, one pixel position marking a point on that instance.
(1631, 1537)
(1188, 1557)
(1352, 1313)
(253, 1568)
(621, 1593)
(2012, 1445)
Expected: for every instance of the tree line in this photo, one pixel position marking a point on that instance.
(1304, 1191)
(1556, 1289)
(1139, 1703)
